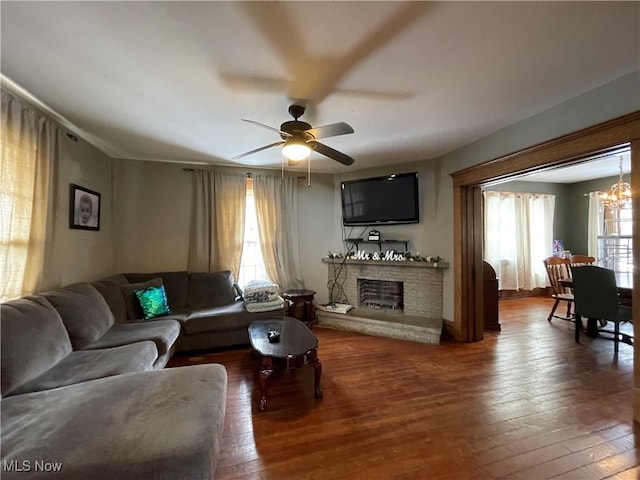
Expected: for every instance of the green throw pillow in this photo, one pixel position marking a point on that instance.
(153, 301)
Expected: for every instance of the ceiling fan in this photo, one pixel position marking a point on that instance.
(299, 138)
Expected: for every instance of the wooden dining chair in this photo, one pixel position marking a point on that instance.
(596, 296)
(579, 260)
(558, 268)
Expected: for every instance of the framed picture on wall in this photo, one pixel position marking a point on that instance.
(84, 208)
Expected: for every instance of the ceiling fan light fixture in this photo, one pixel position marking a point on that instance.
(299, 138)
(296, 150)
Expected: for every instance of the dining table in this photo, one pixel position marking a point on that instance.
(624, 282)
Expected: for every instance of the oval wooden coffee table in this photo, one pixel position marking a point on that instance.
(298, 346)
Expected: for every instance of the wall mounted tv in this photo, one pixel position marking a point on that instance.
(392, 199)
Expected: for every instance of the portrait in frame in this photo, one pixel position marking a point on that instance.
(84, 208)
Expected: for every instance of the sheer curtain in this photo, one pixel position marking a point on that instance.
(28, 177)
(518, 234)
(217, 227)
(595, 223)
(277, 210)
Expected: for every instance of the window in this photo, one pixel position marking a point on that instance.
(15, 225)
(27, 176)
(518, 229)
(620, 222)
(615, 248)
(252, 263)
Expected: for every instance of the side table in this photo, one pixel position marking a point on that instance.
(300, 303)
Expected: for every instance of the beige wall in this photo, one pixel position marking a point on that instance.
(82, 255)
(317, 227)
(152, 215)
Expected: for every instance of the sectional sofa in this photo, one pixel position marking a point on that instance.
(84, 392)
(208, 306)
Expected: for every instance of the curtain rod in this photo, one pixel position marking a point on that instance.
(189, 170)
(249, 174)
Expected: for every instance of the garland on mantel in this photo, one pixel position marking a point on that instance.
(389, 255)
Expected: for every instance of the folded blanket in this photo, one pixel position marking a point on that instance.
(261, 297)
(256, 286)
(254, 307)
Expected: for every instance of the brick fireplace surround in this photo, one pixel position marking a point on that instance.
(419, 320)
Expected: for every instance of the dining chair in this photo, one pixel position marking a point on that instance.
(579, 260)
(596, 296)
(558, 268)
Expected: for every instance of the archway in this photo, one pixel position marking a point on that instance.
(468, 225)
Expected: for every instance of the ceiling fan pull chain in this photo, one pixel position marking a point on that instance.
(309, 170)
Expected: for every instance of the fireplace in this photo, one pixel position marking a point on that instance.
(380, 294)
(395, 299)
(420, 286)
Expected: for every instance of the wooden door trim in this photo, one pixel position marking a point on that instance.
(467, 215)
(635, 299)
(559, 151)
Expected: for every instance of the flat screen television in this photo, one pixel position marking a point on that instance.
(392, 199)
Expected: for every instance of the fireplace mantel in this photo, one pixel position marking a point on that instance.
(405, 263)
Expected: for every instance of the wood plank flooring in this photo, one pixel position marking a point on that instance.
(525, 403)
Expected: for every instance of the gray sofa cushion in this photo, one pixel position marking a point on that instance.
(177, 316)
(132, 304)
(163, 333)
(32, 337)
(229, 317)
(163, 424)
(84, 312)
(109, 288)
(118, 278)
(175, 283)
(81, 366)
(211, 289)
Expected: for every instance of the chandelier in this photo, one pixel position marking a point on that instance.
(620, 195)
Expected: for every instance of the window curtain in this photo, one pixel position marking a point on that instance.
(595, 223)
(277, 211)
(518, 229)
(217, 226)
(28, 178)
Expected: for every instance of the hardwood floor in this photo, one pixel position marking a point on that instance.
(525, 403)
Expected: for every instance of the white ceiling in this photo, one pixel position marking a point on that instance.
(596, 167)
(172, 80)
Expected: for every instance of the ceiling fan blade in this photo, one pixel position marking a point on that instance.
(267, 127)
(257, 150)
(332, 130)
(331, 153)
